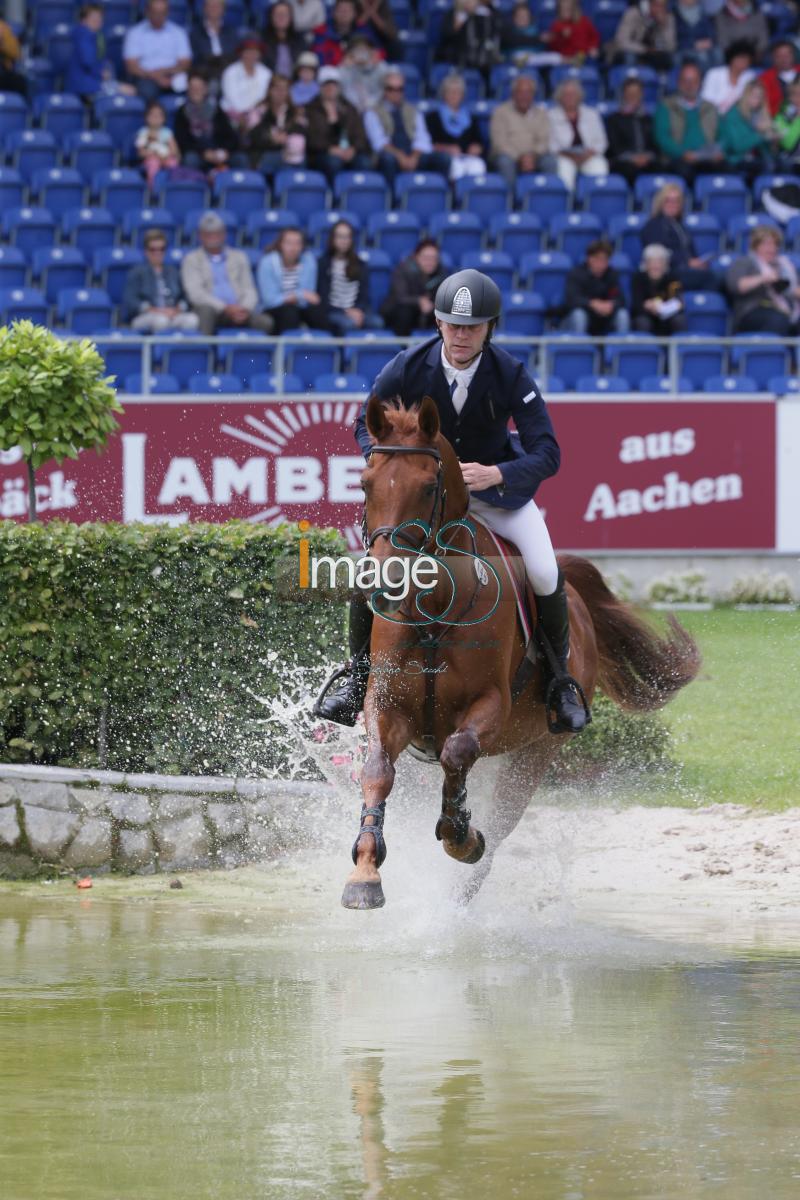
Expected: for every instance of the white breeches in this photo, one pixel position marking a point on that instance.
(524, 527)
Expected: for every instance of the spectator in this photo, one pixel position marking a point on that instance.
(409, 304)
(156, 147)
(737, 21)
(10, 54)
(747, 134)
(646, 36)
(335, 137)
(521, 39)
(455, 131)
(332, 40)
(787, 124)
(244, 86)
(695, 32)
(723, 86)
(157, 53)
(519, 134)
(305, 85)
(283, 44)
(631, 144)
(593, 295)
(213, 46)
(153, 300)
(763, 287)
(398, 134)
(87, 72)
(656, 303)
(204, 134)
(375, 19)
(686, 129)
(279, 138)
(218, 282)
(666, 228)
(362, 74)
(470, 36)
(307, 14)
(778, 78)
(577, 135)
(344, 285)
(572, 35)
(287, 281)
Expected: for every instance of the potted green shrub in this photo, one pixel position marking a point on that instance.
(761, 590)
(680, 590)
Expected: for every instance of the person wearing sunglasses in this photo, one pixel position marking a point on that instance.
(153, 299)
(398, 133)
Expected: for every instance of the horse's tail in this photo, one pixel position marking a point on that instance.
(638, 669)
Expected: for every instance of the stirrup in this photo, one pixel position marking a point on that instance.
(564, 682)
(378, 812)
(347, 669)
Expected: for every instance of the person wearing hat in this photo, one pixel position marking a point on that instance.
(218, 282)
(305, 85)
(245, 84)
(335, 138)
(478, 388)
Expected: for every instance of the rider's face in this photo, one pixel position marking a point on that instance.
(462, 343)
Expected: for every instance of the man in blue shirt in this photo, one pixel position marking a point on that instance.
(157, 53)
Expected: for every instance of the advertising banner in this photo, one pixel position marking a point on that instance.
(679, 475)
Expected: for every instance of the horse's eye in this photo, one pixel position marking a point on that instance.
(430, 489)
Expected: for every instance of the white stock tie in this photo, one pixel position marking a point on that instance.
(458, 392)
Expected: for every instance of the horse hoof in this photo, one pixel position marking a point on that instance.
(453, 849)
(364, 895)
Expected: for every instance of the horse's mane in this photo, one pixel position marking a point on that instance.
(404, 421)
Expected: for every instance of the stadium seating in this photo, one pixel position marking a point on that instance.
(23, 304)
(516, 233)
(240, 192)
(84, 310)
(361, 192)
(396, 233)
(58, 267)
(89, 228)
(118, 189)
(28, 228)
(13, 268)
(209, 385)
(342, 383)
(457, 233)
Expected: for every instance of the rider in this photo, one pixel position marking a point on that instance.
(477, 387)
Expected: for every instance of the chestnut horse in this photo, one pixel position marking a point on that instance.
(444, 659)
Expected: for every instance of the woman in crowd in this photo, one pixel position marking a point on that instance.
(343, 285)
(646, 37)
(521, 38)
(723, 86)
(572, 35)
(335, 136)
(287, 282)
(283, 44)
(763, 286)
(307, 15)
(470, 36)
(203, 132)
(666, 228)
(455, 131)
(657, 306)
(279, 138)
(577, 135)
(409, 304)
(244, 86)
(747, 134)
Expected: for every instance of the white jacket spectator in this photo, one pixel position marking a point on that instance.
(577, 135)
(244, 85)
(723, 86)
(307, 14)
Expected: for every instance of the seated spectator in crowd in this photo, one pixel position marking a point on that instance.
(666, 228)
(218, 283)
(205, 136)
(157, 53)
(10, 54)
(577, 135)
(88, 73)
(787, 125)
(362, 74)
(282, 43)
(572, 35)
(763, 287)
(686, 129)
(738, 20)
(244, 86)
(398, 134)
(723, 86)
(287, 281)
(747, 135)
(305, 85)
(156, 147)
(519, 134)
(520, 38)
(695, 31)
(646, 37)
(778, 78)
(631, 144)
(279, 138)
(409, 304)
(375, 19)
(307, 15)
(656, 303)
(335, 137)
(213, 45)
(470, 36)
(343, 285)
(593, 296)
(455, 131)
(153, 299)
(332, 39)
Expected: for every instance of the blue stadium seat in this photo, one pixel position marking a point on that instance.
(240, 192)
(587, 76)
(85, 310)
(31, 149)
(13, 113)
(483, 195)
(724, 196)
(522, 351)
(759, 356)
(730, 383)
(496, 263)
(362, 192)
(13, 268)
(415, 49)
(121, 117)
(457, 232)
(606, 16)
(58, 188)
(554, 385)
(304, 192)
(183, 361)
(380, 272)
(262, 227)
(119, 189)
(421, 192)
(60, 113)
(58, 47)
(516, 233)
(11, 188)
(181, 197)
(792, 233)
(482, 112)
(50, 13)
(571, 233)
(699, 362)
(342, 383)
(742, 225)
(136, 222)
(364, 357)
(784, 385)
(89, 228)
(396, 233)
(502, 76)
(161, 384)
(602, 383)
(544, 195)
(90, 151)
(663, 383)
(192, 218)
(308, 359)
(545, 273)
(110, 267)
(28, 228)
(646, 186)
(605, 196)
(321, 223)
(571, 362)
(625, 232)
(58, 267)
(523, 313)
(23, 304)
(249, 356)
(763, 182)
(267, 385)
(207, 385)
(706, 312)
(637, 360)
(706, 232)
(121, 360)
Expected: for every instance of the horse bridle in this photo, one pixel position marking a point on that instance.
(439, 498)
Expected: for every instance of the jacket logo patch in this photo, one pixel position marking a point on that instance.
(462, 303)
(528, 398)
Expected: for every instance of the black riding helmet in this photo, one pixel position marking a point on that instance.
(467, 298)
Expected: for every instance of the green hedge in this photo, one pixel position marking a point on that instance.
(136, 647)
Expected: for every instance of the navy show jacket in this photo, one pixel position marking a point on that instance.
(501, 388)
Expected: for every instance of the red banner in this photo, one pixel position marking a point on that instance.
(635, 475)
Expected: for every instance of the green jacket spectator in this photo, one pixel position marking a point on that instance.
(787, 122)
(686, 128)
(746, 131)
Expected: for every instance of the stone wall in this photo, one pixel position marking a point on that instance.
(96, 821)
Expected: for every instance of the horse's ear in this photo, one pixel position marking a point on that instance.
(428, 419)
(377, 423)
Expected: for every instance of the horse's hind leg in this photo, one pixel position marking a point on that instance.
(459, 754)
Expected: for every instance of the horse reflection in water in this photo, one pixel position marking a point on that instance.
(444, 660)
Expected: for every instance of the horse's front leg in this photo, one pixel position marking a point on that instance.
(477, 731)
(389, 734)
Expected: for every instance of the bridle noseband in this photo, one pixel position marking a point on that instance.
(439, 499)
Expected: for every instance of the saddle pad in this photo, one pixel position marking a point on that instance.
(508, 552)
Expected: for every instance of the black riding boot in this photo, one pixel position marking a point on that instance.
(570, 713)
(343, 703)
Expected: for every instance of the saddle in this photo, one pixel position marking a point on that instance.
(526, 609)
